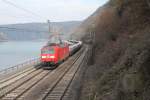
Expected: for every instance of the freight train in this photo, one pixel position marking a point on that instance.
(54, 53)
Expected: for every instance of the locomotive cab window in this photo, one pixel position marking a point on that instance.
(48, 51)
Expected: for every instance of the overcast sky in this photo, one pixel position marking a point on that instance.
(55, 10)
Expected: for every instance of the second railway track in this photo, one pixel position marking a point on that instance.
(42, 84)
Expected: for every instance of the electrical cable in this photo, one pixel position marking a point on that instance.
(23, 9)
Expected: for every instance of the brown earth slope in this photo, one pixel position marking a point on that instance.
(121, 67)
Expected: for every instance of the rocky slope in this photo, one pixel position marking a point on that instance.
(121, 52)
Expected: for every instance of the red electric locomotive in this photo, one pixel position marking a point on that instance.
(54, 53)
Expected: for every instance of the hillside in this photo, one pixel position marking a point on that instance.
(34, 31)
(119, 67)
(85, 26)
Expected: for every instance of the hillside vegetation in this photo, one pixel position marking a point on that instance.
(35, 31)
(121, 52)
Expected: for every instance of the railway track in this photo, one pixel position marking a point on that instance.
(14, 83)
(41, 84)
(58, 91)
(18, 69)
(17, 76)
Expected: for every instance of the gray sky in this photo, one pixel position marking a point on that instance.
(55, 10)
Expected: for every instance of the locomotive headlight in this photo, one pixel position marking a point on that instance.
(52, 56)
(43, 56)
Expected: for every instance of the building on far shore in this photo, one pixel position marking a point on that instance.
(3, 37)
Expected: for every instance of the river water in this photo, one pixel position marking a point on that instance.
(14, 52)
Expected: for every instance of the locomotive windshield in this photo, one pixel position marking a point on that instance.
(47, 51)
